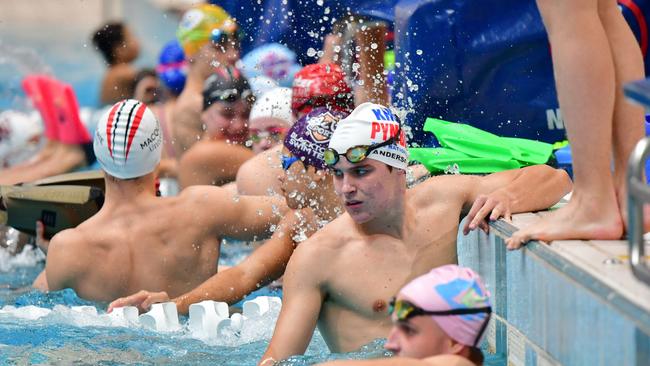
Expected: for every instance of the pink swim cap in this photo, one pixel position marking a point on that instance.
(450, 288)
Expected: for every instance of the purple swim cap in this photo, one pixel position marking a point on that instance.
(308, 138)
(450, 288)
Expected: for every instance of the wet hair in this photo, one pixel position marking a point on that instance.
(476, 355)
(142, 74)
(107, 38)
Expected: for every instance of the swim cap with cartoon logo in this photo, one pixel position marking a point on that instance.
(199, 24)
(308, 138)
(128, 140)
(371, 124)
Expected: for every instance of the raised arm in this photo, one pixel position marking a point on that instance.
(532, 188)
(231, 215)
(303, 297)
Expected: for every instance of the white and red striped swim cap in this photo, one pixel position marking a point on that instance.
(128, 140)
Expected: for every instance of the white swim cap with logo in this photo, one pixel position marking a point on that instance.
(128, 140)
(371, 124)
(275, 103)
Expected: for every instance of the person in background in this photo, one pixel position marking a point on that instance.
(119, 48)
(210, 39)
(172, 71)
(438, 318)
(227, 100)
(594, 54)
(269, 121)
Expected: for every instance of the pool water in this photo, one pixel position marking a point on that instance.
(38, 328)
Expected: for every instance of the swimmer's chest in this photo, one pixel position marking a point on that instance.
(369, 273)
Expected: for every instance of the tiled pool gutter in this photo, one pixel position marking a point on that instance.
(554, 305)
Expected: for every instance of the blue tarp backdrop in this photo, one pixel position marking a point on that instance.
(485, 63)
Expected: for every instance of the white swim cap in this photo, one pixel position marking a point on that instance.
(275, 103)
(128, 140)
(371, 124)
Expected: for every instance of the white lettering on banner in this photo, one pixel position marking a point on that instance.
(554, 119)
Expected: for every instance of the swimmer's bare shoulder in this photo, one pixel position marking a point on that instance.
(67, 259)
(443, 188)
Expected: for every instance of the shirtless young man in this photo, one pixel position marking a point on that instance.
(208, 36)
(438, 318)
(120, 48)
(308, 189)
(342, 277)
(140, 241)
(215, 160)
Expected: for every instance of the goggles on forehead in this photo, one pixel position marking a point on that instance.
(220, 36)
(359, 153)
(339, 102)
(287, 161)
(405, 310)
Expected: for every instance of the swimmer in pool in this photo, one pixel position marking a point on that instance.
(210, 38)
(438, 318)
(120, 48)
(68, 144)
(320, 85)
(307, 187)
(140, 241)
(227, 101)
(343, 276)
(269, 121)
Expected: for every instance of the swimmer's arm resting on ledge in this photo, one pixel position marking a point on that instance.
(304, 284)
(442, 360)
(264, 265)
(501, 194)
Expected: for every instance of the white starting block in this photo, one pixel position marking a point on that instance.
(162, 317)
(206, 317)
(127, 314)
(87, 310)
(260, 306)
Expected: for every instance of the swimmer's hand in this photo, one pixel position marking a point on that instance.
(41, 242)
(495, 204)
(142, 300)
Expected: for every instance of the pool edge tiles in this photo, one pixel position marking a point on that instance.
(565, 314)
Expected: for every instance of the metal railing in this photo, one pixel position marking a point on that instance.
(638, 194)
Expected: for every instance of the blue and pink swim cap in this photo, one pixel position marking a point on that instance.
(449, 288)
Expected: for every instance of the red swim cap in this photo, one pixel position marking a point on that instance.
(321, 85)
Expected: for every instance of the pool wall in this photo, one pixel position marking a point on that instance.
(550, 310)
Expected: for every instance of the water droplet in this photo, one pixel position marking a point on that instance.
(319, 2)
(373, 46)
(419, 52)
(311, 52)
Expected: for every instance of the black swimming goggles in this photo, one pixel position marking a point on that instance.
(357, 154)
(405, 310)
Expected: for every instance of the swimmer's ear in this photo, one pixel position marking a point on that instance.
(456, 347)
